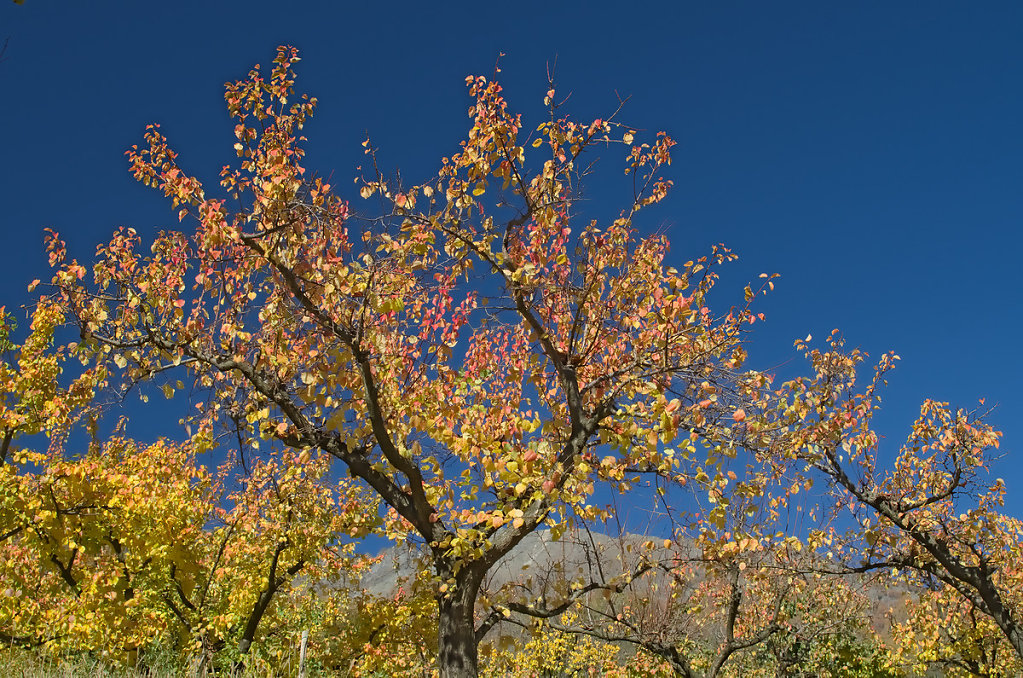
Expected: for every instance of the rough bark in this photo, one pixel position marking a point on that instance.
(457, 651)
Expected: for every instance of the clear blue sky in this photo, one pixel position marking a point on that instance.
(870, 153)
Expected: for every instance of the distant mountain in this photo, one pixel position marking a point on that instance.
(545, 566)
(537, 554)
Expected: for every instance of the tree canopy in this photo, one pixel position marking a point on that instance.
(459, 363)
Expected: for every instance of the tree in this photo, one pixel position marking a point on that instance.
(368, 634)
(933, 514)
(942, 631)
(129, 546)
(739, 597)
(465, 352)
(110, 549)
(284, 523)
(830, 631)
(550, 653)
(33, 400)
(88, 543)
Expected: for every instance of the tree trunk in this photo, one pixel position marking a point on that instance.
(457, 655)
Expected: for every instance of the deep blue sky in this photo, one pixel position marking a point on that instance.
(870, 153)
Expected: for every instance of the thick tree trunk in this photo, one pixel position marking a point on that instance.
(457, 655)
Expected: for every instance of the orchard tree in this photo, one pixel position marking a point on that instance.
(936, 513)
(364, 633)
(117, 545)
(942, 631)
(703, 601)
(545, 651)
(33, 400)
(478, 351)
(88, 542)
(282, 534)
(129, 545)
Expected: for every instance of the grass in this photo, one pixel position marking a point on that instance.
(26, 664)
(18, 663)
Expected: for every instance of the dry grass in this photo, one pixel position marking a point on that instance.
(16, 663)
(23, 664)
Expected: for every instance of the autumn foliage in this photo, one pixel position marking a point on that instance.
(459, 364)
